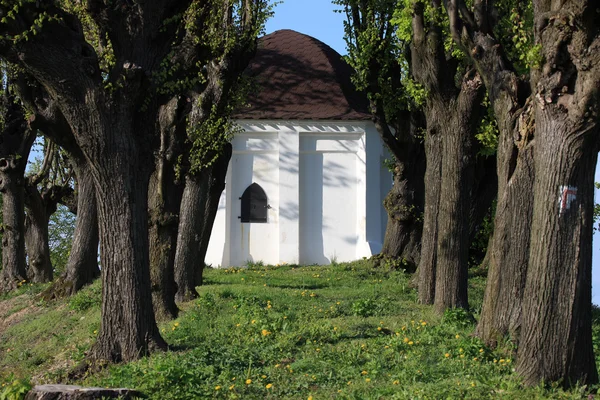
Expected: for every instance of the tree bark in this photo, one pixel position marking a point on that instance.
(13, 229)
(15, 145)
(509, 246)
(82, 266)
(453, 217)
(198, 211)
(556, 335)
(404, 203)
(36, 236)
(556, 324)
(164, 209)
(128, 328)
(428, 259)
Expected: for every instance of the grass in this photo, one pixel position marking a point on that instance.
(344, 331)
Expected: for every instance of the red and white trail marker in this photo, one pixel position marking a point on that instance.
(568, 194)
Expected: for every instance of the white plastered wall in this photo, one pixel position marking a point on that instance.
(324, 182)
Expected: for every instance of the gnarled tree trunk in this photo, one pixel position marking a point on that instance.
(121, 177)
(15, 143)
(36, 236)
(13, 224)
(509, 246)
(556, 333)
(198, 211)
(82, 266)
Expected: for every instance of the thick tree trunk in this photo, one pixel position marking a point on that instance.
(428, 260)
(13, 225)
(36, 237)
(198, 211)
(82, 266)
(128, 330)
(509, 246)
(404, 206)
(556, 333)
(453, 216)
(163, 208)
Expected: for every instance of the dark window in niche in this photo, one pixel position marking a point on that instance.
(254, 204)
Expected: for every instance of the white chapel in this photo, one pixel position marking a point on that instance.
(306, 180)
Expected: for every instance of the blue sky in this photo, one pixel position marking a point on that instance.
(317, 19)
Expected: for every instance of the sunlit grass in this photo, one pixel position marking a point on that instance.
(345, 331)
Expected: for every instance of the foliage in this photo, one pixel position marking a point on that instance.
(60, 237)
(515, 32)
(16, 390)
(487, 132)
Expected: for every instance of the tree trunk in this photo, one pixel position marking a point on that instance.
(198, 211)
(433, 175)
(453, 216)
(36, 237)
(163, 209)
(404, 205)
(128, 330)
(13, 225)
(82, 266)
(509, 247)
(556, 333)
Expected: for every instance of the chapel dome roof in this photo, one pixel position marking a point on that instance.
(301, 78)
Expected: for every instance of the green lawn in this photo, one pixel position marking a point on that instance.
(344, 331)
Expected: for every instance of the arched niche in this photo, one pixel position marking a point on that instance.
(254, 204)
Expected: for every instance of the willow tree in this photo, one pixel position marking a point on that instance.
(548, 123)
(224, 58)
(381, 70)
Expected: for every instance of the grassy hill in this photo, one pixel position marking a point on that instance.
(343, 331)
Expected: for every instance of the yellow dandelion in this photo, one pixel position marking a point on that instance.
(457, 336)
(231, 387)
(364, 373)
(248, 381)
(368, 380)
(253, 321)
(265, 332)
(410, 343)
(447, 355)
(217, 387)
(396, 382)
(310, 398)
(269, 385)
(423, 323)
(406, 340)
(378, 328)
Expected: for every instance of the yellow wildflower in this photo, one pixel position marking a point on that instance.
(269, 385)
(217, 387)
(447, 355)
(248, 381)
(364, 373)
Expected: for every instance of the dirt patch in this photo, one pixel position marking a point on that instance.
(12, 311)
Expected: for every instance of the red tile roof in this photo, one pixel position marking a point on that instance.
(301, 78)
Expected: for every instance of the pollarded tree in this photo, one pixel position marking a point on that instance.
(376, 54)
(452, 112)
(561, 109)
(112, 114)
(210, 130)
